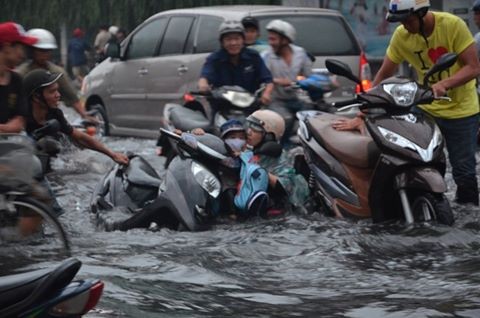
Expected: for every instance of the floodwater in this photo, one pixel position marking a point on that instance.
(294, 266)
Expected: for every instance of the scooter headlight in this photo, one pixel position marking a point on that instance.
(403, 94)
(206, 179)
(239, 99)
(425, 154)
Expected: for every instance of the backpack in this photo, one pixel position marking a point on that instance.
(252, 192)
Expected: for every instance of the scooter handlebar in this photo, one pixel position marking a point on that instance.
(170, 134)
(201, 93)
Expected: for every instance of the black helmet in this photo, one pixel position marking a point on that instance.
(250, 22)
(476, 6)
(38, 79)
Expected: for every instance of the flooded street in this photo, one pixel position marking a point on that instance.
(295, 266)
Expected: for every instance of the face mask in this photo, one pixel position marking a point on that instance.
(236, 144)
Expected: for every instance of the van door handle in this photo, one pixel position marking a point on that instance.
(182, 69)
(142, 71)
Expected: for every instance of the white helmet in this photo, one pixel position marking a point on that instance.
(46, 40)
(399, 10)
(113, 29)
(231, 26)
(283, 28)
(269, 121)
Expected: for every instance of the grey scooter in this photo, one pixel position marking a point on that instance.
(394, 170)
(185, 199)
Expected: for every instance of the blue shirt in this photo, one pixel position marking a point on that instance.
(76, 51)
(249, 73)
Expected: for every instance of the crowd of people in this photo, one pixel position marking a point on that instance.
(245, 61)
(30, 92)
(421, 33)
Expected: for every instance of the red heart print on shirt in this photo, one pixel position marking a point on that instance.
(434, 54)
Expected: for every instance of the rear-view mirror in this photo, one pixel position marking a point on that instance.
(339, 68)
(445, 61)
(112, 50)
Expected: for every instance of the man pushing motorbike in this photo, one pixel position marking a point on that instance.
(421, 39)
(234, 64)
(41, 89)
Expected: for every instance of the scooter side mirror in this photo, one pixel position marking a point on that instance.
(339, 68)
(445, 61)
(113, 50)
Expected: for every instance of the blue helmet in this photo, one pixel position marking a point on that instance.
(229, 126)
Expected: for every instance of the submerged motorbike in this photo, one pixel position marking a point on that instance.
(49, 292)
(185, 199)
(392, 171)
(224, 103)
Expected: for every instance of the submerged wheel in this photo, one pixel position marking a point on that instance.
(428, 207)
(30, 222)
(101, 116)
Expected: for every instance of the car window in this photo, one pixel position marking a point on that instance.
(207, 39)
(189, 46)
(176, 35)
(331, 35)
(144, 42)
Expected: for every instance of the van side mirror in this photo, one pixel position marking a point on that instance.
(112, 50)
(339, 68)
(445, 61)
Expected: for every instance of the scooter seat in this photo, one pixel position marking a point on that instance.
(350, 147)
(22, 290)
(187, 119)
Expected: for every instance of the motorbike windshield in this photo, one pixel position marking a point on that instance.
(214, 143)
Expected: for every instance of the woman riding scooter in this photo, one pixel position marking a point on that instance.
(265, 129)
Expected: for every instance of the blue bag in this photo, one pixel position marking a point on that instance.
(252, 195)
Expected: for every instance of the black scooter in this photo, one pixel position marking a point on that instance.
(223, 103)
(50, 292)
(185, 199)
(394, 170)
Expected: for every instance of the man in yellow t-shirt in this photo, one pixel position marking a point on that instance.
(421, 39)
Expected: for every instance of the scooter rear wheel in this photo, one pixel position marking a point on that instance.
(428, 207)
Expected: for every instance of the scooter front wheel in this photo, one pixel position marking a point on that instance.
(25, 221)
(432, 207)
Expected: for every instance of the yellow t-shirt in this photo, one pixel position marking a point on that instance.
(450, 35)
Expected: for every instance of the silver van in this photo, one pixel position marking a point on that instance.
(161, 60)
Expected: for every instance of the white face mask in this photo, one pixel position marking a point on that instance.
(236, 144)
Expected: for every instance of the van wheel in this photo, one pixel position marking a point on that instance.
(429, 207)
(101, 116)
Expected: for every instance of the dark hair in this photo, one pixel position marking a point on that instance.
(250, 22)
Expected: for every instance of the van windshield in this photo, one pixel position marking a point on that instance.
(318, 35)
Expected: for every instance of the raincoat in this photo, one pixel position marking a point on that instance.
(294, 184)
